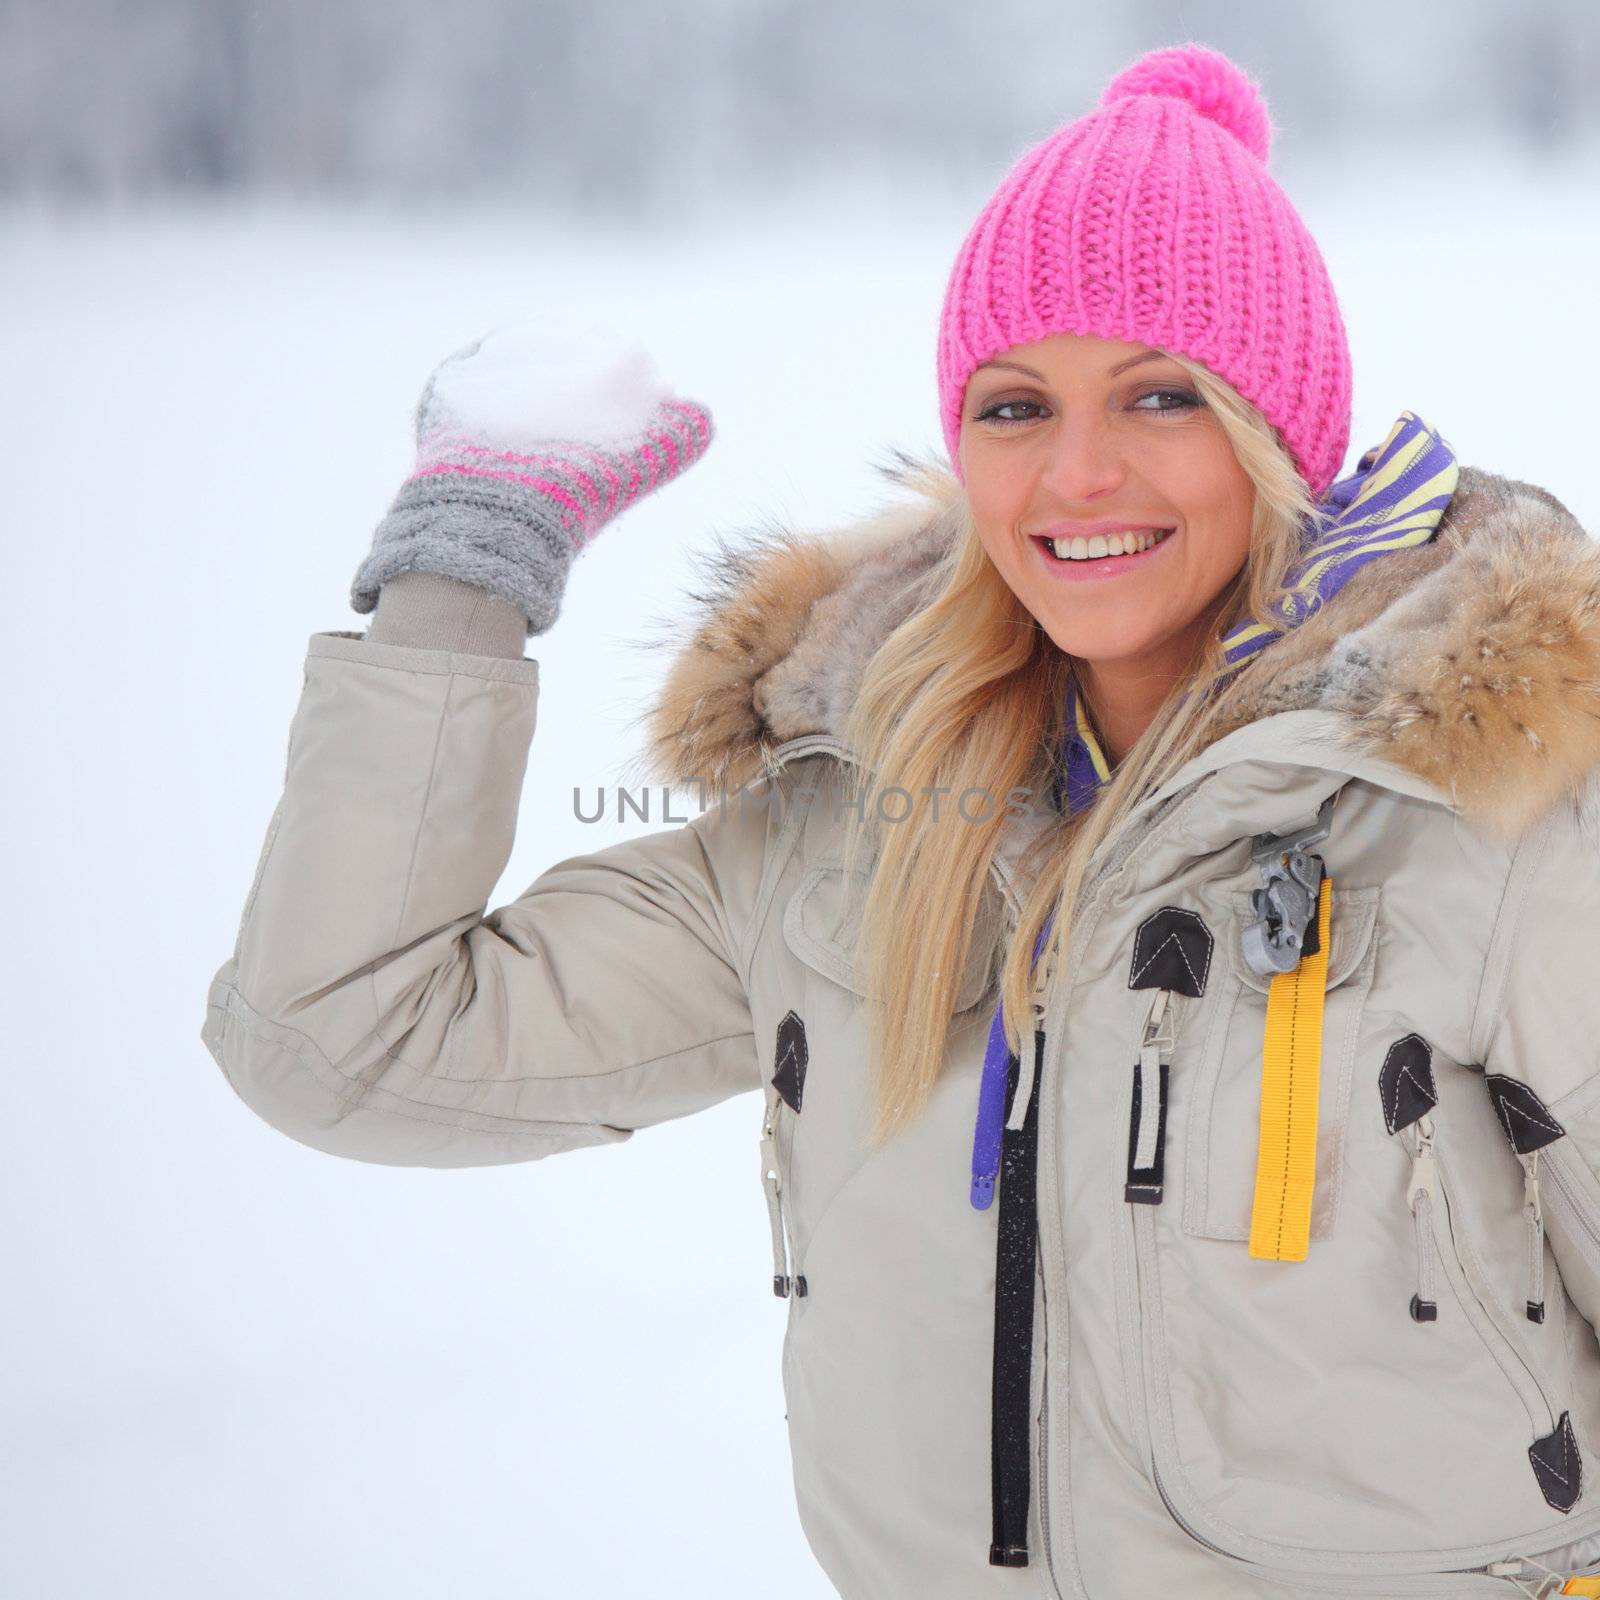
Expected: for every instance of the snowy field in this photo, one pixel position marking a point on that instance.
(237, 1368)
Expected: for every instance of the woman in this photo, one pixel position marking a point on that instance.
(1245, 961)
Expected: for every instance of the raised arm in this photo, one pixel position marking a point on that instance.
(370, 1007)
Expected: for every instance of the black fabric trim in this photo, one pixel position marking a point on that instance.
(1524, 1116)
(1406, 1082)
(1143, 1185)
(1011, 1395)
(1558, 1466)
(1311, 940)
(789, 1060)
(1172, 950)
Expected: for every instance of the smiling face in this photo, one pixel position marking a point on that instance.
(1085, 438)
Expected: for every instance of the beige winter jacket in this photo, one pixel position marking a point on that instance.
(1206, 1423)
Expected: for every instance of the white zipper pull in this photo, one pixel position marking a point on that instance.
(1160, 1023)
(1420, 1197)
(1155, 1040)
(1533, 1211)
(1545, 1588)
(1145, 1179)
(1424, 1170)
(1041, 984)
(772, 1182)
(1028, 1060)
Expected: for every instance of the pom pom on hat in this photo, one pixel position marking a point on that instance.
(1210, 82)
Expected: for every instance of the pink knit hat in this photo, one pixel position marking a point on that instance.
(1154, 220)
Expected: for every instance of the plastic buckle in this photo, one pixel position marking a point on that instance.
(1287, 900)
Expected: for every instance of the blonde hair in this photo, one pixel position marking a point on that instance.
(967, 695)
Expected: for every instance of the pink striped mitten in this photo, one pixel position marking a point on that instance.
(528, 443)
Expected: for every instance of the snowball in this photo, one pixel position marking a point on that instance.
(528, 384)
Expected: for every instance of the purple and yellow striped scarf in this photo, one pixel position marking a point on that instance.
(1392, 501)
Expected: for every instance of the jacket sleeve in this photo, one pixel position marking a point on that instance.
(371, 1009)
(1540, 1013)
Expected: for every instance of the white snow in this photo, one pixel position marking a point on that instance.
(236, 1367)
(528, 383)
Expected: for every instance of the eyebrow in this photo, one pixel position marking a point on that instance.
(1121, 366)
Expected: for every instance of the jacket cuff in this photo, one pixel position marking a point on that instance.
(357, 647)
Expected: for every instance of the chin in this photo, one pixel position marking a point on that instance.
(1100, 641)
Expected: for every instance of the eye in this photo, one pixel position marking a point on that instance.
(992, 413)
(1187, 401)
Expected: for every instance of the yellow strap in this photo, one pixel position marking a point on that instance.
(1582, 1586)
(1291, 1069)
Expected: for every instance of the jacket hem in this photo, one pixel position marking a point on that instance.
(346, 645)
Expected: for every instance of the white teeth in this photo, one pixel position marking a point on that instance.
(1116, 544)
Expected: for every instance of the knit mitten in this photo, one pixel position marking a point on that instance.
(528, 443)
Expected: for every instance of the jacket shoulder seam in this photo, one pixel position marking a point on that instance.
(1526, 857)
(777, 861)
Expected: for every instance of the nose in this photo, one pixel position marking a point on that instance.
(1085, 461)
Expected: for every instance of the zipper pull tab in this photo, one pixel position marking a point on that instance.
(1041, 985)
(1420, 1198)
(1424, 1170)
(1546, 1587)
(1145, 1182)
(772, 1182)
(1032, 1048)
(1159, 1027)
(1533, 1211)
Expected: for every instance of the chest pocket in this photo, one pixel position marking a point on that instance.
(815, 1127)
(824, 914)
(1225, 1075)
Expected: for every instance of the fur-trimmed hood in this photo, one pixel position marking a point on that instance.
(1472, 662)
